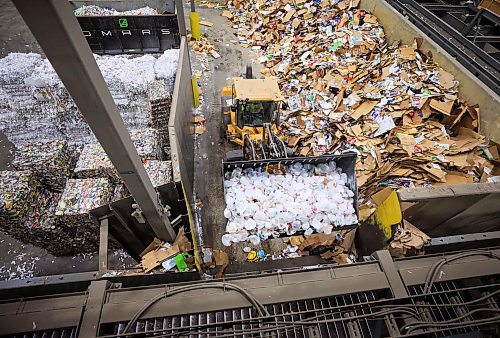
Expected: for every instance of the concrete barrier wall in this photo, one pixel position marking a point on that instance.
(472, 90)
(180, 126)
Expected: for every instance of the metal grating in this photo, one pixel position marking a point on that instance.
(243, 323)
(60, 333)
(352, 315)
(470, 35)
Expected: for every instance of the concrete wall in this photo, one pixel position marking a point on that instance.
(471, 89)
(180, 126)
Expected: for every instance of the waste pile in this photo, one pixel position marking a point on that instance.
(169, 257)
(93, 10)
(72, 212)
(347, 88)
(337, 246)
(51, 161)
(303, 198)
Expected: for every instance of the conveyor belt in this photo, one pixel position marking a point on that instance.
(379, 298)
(470, 35)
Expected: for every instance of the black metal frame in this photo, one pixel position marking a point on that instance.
(338, 301)
(475, 59)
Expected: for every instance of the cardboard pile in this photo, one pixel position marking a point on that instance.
(347, 89)
(51, 161)
(169, 256)
(204, 48)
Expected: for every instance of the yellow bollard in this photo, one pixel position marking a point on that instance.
(196, 94)
(194, 19)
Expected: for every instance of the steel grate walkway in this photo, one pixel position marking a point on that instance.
(243, 323)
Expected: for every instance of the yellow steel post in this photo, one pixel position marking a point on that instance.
(194, 19)
(196, 93)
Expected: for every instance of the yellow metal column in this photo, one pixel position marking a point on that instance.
(196, 93)
(194, 19)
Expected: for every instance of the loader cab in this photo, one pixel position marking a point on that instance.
(256, 102)
(256, 113)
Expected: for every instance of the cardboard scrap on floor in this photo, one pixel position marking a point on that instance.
(199, 124)
(206, 23)
(337, 246)
(347, 89)
(221, 262)
(204, 48)
(408, 240)
(158, 251)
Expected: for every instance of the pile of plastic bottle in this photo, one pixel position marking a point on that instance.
(306, 198)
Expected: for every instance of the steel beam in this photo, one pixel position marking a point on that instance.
(89, 325)
(56, 29)
(103, 246)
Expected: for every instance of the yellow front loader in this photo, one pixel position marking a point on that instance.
(250, 112)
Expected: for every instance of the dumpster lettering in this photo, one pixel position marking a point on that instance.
(147, 34)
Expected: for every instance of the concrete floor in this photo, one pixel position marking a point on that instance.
(18, 260)
(211, 146)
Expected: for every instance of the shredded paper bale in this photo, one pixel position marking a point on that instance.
(34, 104)
(307, 198)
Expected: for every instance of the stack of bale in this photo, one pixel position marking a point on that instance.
(159, 172)
(72, 212)
(93, 163)
(19, 194)
(160, 101)
(51, 161)
(146, 142)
